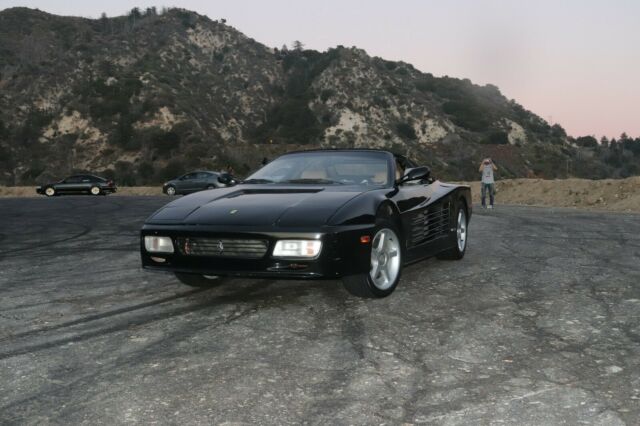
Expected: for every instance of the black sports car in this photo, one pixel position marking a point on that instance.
(359, 215)
(78, 184)
(192, 182)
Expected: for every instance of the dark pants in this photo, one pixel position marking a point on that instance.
(492, 191)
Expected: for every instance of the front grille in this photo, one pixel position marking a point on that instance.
(222, 247)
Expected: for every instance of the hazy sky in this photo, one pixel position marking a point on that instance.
(573, 62)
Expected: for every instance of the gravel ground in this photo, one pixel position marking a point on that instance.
(539, 324)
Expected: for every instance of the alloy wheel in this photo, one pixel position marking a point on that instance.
(385, 259)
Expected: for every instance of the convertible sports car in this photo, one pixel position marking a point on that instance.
(359, 215)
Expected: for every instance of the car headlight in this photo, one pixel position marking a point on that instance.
(155, 244)
(297, 248)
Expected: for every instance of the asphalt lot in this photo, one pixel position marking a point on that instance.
(539, 324)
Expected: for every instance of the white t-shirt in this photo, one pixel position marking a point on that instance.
(487, 173)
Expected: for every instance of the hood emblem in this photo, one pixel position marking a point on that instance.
(234, 211)
(220, 247)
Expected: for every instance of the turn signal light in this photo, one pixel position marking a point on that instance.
(365, 239)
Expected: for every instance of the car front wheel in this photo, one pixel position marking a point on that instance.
(95, 190)
(50, 191)
(171, 191)
(197, 280)
(385, 265)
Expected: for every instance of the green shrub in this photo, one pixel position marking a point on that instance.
(406, 131)
(496, 138)
(468, 114)
(326, 94)
(172, 170)
(124, 173)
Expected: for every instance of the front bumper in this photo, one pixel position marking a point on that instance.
(342, 253)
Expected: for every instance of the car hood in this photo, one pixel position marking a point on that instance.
(257, 205)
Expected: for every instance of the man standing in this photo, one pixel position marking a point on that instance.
(488, 184)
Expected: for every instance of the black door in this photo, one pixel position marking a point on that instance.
(71, 185)
(425, 219)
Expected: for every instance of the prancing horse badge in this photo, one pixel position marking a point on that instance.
(234, 211)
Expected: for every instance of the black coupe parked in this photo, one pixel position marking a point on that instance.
(79, 184)
(193, 182)
(359, 215)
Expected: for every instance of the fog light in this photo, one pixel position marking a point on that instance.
(297, 248)
(155, 244)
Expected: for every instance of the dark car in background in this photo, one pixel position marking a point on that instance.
(79, 184)
(193, 182)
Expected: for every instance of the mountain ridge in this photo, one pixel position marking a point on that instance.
(147, 96)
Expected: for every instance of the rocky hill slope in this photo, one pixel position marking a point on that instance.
(148, 96)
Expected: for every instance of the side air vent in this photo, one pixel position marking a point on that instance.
(430, 224)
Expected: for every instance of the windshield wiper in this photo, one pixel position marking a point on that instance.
(312, 181)
(257, 181)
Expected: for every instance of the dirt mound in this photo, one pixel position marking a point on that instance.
(607, 194)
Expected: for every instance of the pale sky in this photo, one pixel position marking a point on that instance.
(573, 62)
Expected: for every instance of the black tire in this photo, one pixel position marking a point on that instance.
(362, 285)
(455, 253)
(211, 187)
(171, 191)
(197, 280)
(95, 190)
(50, 191)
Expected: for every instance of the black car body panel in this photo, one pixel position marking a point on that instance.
(337, 215)
(79, 184)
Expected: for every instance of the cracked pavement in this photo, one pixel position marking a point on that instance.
(538, 324)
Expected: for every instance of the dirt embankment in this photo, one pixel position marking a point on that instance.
(608, 194)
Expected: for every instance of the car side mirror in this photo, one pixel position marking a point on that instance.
(226, 179)
(416, 173)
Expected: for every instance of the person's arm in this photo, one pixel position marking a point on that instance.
(481, 166)
(494, 166)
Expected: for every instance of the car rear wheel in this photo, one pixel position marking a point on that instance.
(49, 191)
(458, 250)
(385, 267)
(95, 190)
(197, 280)
(171, 190)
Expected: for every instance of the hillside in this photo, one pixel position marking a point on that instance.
(148, 96)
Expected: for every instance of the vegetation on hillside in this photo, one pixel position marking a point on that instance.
(147, 96)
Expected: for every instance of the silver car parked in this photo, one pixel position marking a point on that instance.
(193, 182)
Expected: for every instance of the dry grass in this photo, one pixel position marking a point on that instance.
(608, 194)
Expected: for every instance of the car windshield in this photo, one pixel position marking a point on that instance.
(368, 168)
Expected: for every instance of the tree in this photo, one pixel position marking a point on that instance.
(587, 141)
(604, 141)
(151, 11)
(135, 13)
(297, 45)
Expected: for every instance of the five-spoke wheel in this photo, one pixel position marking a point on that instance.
(385, 264)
